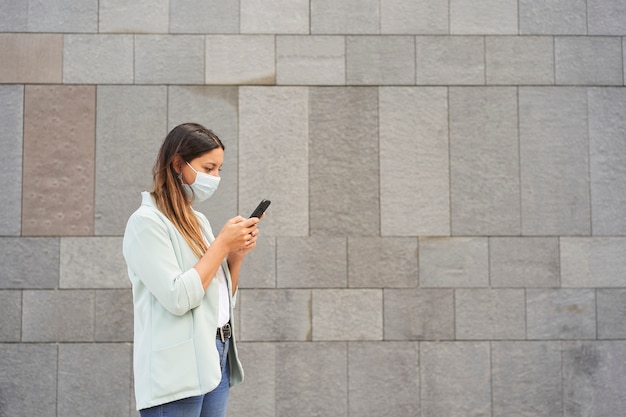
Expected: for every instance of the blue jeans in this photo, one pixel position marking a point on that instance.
(212, 404)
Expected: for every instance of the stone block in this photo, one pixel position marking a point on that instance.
(274, 157)
(561, 314)
(277, 17)
(347, 314)
(94, 378)
(169, 59)
(59, 146)
(259, 268)
(421, 314)
(606, 17)
(516, 262)
(594, 374)
(450, 60)
(311, 60)
(552, 17)
(554, 159)
(527, 379)
(343, 197)
(63, 16)
(607, 153)
(454, 262)
(520, 60)
(414, 17)
(14, 16)
(484, 161)
(588, 60)
(483, 17)
(330, 17)
(114, 316)
(58, 316)
(42, 269)
(275, 315)
(303, 365)
(593, 262)
(455, 379)
(380, 60)
(93, 262)
(240, 59)
(31, 58)
(98, 59)
(204, 16)
(490, 314)
(257, 396)
(141, 16)
(129, 131)
(611, 313)
(11, 152)
(10, 316)
(371, 373)
(414, 161)
(313, 262)
(28, 380)
(386, 262)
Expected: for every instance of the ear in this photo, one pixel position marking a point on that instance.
(177, 163)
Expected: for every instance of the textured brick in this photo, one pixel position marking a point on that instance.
(344, 17)
(593, 262)
(98, 59)
(611, 312)
(382, 262)
(31, 58)
(414, 161)
(484, 161)
(553, 17)
(527, 379)
(281, 16)
(381, 60)
(62, 16)
(204, 16)
(561, 314)
(488, 314)
(93, 263)
(344, 163)
(259, 268)
(126, 114)
(314, 262)
(299, 391)
(58, 316)
(454, 262)
(455, 379)
(371, 373)
(10, 316)
(41, 270)
(554, 161)
(169, 59)
(28, 380)
(114, 316)
(257, 396)
(141, 16)
(347, 315)
(450, 60)
(588, 61)
(606, 17)
(607, 152)
(524, 262)
(488, 17)
(245, 59)
(14, 16)
(414, 17)
(424, 314)
(311, 60)
(275, 315)
(520, 60)
(89, 385)
(594, 374)
(273, 157)
(11, 145)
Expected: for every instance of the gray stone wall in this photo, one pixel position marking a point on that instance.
(447, 236)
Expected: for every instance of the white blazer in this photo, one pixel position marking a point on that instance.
(175, 319)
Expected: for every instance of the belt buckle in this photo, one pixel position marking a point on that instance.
(225, 332)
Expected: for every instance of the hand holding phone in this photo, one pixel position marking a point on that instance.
(260, 209)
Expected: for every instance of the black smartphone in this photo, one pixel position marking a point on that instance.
(260, 209)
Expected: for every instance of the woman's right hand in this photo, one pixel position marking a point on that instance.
(238, 233)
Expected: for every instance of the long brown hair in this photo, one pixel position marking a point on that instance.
(189, 141)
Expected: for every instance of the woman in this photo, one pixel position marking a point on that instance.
(184, 282)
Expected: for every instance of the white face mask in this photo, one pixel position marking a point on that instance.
(203, 187)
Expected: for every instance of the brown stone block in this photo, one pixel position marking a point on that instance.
(59, 154)
(31, 58)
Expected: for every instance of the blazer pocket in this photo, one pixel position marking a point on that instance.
(174, 370)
